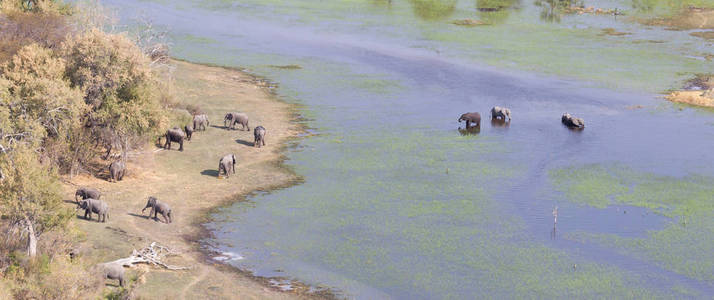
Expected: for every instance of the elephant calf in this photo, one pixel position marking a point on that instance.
(501, 113)
(236, 118)
(200, 122)
(259, 134)
(188, 129)
(174, 135)
(227, 164)
(158, 207)
(98, 207)
(86, 192)
(572, 121)
(471, 117)
(117, 170)
(113, 271)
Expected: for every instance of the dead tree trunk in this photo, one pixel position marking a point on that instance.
(153, 255)
(31, 238)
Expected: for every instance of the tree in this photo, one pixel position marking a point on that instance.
(117, 83)
(30, 197)
(46, 112)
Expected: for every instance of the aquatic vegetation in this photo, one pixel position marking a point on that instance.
(684, 246)
(495, 11)
(433, 9)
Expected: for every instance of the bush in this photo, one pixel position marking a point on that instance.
(20, 29)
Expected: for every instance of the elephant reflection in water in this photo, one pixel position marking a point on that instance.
(470, 130)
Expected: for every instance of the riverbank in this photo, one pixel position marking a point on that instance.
(188, 182)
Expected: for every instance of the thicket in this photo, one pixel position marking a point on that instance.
(68, 93)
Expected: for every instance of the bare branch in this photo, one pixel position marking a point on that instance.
(153, 255)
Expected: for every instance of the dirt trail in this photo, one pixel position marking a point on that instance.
(187, 181)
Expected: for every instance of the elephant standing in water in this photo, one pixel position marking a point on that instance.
(158, 207)
(259, 134)
(227, 164)
(200, 122)
(174, 135)
(117, 170)
(98, 207)
(501, 113)
(85, 193)
(471, 117)
(572, 122)
(235, 118)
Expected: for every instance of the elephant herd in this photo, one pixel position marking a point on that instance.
(88, 199)
(504, 114)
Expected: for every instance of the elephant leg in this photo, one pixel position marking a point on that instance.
(87, 215)
(263, 141)
(468, 124)
(181, 145)
(166, 220)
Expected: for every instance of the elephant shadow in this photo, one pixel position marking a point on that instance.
(139, 216)
(219, 127)
(210, 172)
(473, 130)
(500, 123)
(246, 143)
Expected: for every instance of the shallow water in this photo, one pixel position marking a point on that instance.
(399, 203)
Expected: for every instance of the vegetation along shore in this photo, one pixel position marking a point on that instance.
(74, 99)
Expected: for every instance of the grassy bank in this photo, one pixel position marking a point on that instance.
(188, 182)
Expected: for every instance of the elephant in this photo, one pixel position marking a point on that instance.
(117, 170)
(86, 192)
(158, 207)
(188, 129)
(174, 135)
(502, 113)
(113, 270)
(572, 121)
(235, 118)
(259, 134)
(200, 122)
(227, 164)
(471, 117)
(98, 207)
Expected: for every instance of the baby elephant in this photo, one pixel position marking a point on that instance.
(158, 207)
(502, 113)
(188, 129)
(113, 271)
(86, 192)
(572, 122)
(471, 117)
(98, 207)
(259, 134)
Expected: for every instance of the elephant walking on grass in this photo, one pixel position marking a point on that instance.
(117, 170)
(501, 113)
(572, 122)
(200, 122)
(236, 118)
(227, 164)
(85, 193)
(174, 135)
(471, 117)
(98, 207)
(158, 207)
(113, 271)
(259, 134)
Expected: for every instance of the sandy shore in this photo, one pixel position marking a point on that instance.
(691, 97)
(187, 181)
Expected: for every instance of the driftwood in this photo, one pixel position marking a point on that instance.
(153, 255)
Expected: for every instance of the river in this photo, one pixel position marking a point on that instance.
(399, 202)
